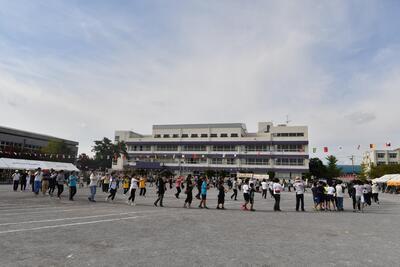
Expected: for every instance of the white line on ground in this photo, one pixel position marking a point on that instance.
(78, 218)
(50, 211)
(69, 224)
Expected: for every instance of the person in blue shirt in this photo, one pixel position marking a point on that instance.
(204, 187)
(72, 180)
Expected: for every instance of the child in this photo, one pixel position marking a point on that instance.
(125, 184)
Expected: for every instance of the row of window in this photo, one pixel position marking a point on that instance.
(195, 135)
(219, 148)
(288, 134)
(5, 144)
(391, 155)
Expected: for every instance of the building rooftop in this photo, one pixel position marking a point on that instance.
(205, 125)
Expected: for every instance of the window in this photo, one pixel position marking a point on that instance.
(258, 148)
(175, 136)
(204, 135)
(157, 136)
(380, 155)
(213, 135)
(166, 148)
(230, 161)
(392, 155)
(166, 136)
(141, 148)
(290, 148)
(224, 135)
(194, 148)
(234, 135)
(216, 161)
(224, 148)
(194, 135)
(290, 161)
(256, 161)
(185, 135)
(116, 138)
(288, 134)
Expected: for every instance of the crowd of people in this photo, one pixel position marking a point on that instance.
(327, 196)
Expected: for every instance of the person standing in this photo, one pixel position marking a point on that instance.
(339, 196)
(134, 186)
(94, 179)
(125, 184)
(356, 195)
(246, 196)
(252, 191)
(52, 182)
(221, 195)
(161, 191)
(189, 192)
(113, 187)
(277, 189)
(106, 183)
(23, 180)
(15, 178)
(264, 187)
(204, 187)
(142, 186)
(331, 197)
(178, 183)
(72, 181)
(38, 181)
(60, 183)
(375, 192)
(198, 185)
(299, 189)
(45, 181)
(235, 189)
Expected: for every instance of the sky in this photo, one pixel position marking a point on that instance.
(82, 69)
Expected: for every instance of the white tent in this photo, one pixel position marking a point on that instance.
(24, 164)
(386, 178)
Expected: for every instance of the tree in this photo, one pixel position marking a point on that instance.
(317, 168)
(58, 147)
(332, 171)
(223, 173)
(271, 175)
(364, 173)
(380, 170)
(106, 152)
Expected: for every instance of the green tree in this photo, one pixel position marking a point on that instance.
(56, 147)
(106, 151)
(332, 171)
(380, 170)
(364, 173)
(317, 168)
(271, 175)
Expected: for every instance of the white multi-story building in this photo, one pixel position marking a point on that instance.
(194, 148)
(381, 157)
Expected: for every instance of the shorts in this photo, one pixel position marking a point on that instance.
(246, 197)
(251, 200)
(203, 196)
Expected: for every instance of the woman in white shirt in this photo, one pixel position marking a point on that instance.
(277, 189)
(331, 197)
(134, 186)
(94, 178)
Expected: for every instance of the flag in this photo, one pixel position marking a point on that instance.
(314, 150)
(340, 147)
(326, 149)
(358, 147)
(372, 146)
(388, 144)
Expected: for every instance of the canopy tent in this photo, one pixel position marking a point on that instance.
(252, 175)
(394, 182)
(24, 164)
(386, 178)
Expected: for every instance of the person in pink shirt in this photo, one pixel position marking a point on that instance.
(178, 184)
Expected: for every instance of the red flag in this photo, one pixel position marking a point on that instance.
(326, 149)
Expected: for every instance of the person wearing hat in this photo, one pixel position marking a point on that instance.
(15, 178)
(299, 189)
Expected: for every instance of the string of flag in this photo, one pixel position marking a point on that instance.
(36, 154)
(326, 149)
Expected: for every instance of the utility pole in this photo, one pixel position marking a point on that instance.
(352, 162)
(287, 119)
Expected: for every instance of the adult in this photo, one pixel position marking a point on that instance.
(339, 196)
(37, 184)
(15, 178)
(246, 196)
(299, 189)
(60, 183)
(72, 181)
(252, 191)
(106, 182)
(357, 194)
(134, 186)
(235, 189)
(264, 188)
(45, 181)
(188, 192)
(94, 179)
(277, 189)
(204, 187)
(221, 195)
(331, 197)
(161, 191)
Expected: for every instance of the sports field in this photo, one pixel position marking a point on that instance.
(45, 231)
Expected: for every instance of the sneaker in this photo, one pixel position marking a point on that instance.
(106, 199)
(155, 204)
(206, 207)
(132, 203)
(252, 210)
